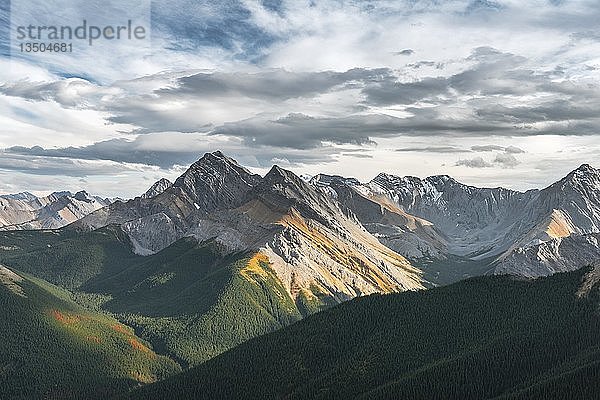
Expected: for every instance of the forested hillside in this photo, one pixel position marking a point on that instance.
(51, 348)
(484, 338)
(190, 300)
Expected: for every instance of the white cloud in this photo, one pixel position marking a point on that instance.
(515, 82)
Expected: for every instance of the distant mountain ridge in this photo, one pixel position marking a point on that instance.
(27, 211)
(443, 218)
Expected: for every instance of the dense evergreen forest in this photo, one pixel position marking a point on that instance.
(189, 300)
(51, 348)
(484, 338)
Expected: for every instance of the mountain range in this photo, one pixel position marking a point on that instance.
(25, 211)
(317, 248)
(447, 229)
(193, 268)
(437, 220)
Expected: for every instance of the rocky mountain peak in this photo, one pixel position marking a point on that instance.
(586, 168)
(213, 166)
(441, 179)
(584, 180)
(157, 188)
(215, 181)
(388, 182)
(384, 177)
(286, 184)
(63, 193)
(25, 196)
(49, 212)
(279, 175)
(413, 180)
(283, 190)
(326, 180)
(82, 195)
(584, 171)
(217, 159)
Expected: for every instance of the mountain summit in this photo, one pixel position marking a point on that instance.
(318, 249)
(157, 188)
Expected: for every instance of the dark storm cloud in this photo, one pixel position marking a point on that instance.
(119, 150)
(147, 151)
(271, 85)
(300, 131)
(555, 110)
(389, 92)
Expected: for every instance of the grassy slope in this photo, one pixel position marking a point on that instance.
(482, 338)
(189, 301)
(54, 349)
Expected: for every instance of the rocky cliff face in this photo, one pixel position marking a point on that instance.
(157, 188)
(559, 254)
(411, 236)
(564, 222)
(477, 223)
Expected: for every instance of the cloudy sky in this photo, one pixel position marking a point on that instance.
(494, 93)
